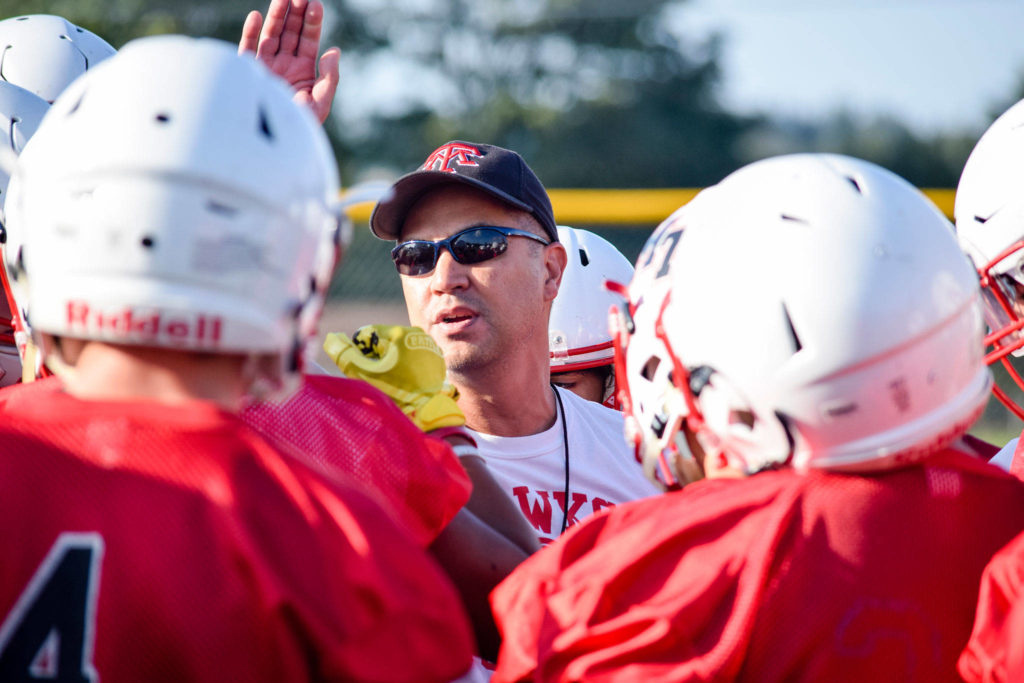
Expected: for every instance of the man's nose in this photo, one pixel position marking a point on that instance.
(449, 274)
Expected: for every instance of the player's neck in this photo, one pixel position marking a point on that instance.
(115, 372)
(513, 400)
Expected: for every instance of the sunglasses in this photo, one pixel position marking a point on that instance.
(472, 245)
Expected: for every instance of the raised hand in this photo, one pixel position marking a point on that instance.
(288, 43)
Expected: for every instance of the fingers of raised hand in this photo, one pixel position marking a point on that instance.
(294, 23)
(250, 33)
(322, 94)
(308, 40)
(273, 28)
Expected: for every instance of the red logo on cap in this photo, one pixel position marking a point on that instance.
(444, 158)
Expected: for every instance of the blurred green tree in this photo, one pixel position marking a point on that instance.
(592, 94)
(925, 160)
(118, 21)
(599, 93)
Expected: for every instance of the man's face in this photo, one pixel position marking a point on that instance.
(487, 312)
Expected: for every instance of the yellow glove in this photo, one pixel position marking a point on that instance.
(404, 363)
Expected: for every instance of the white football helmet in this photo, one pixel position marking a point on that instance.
(20, 115)
(578, 334)
(175, 196)
(653, 407)
(805, 325)
(43, 53)
(989, 213)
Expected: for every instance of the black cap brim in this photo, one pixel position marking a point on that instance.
(389, 215)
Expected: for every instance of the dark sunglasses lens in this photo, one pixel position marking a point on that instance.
(475, 246)
(414, 258)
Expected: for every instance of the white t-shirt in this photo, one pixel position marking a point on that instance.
(602, 468)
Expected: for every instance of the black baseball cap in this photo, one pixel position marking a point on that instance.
(497, 171)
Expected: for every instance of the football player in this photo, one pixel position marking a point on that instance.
(990, 227)
(451, 505)
(20, 114)
(818, 335)
(581, 346)
(406, 453)
(180, 227)
(994, 653)
(42, 55)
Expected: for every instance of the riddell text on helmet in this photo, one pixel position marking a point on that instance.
(196, 329)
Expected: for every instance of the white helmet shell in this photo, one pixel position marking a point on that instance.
(989, 213)
(653, 407)
(807, 325)
(21, 112)
(20, 115)
(989, 208)
(176, 196)
(43, 53)
(578, 333)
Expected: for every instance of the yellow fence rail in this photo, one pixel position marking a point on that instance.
(645, 207)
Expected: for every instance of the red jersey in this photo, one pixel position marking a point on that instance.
(152, 542)
(346, 424)
(779, 577)
(995, 652)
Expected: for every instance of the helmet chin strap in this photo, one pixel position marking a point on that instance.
(29, 361)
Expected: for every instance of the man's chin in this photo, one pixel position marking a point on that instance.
(462, 357)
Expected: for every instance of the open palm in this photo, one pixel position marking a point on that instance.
(288, 43)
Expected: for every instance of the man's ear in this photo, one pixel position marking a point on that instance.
(555, 259)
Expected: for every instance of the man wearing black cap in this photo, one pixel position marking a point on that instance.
(480, 262)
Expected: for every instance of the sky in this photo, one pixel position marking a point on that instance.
(939, 65)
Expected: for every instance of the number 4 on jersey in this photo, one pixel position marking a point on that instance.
(48, 634)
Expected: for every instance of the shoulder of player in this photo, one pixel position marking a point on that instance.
(705, 509)
(337, 503)
(27, 394)
(338, 401)
(1007, 567)
(691, 550)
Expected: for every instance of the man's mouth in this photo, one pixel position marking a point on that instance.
(455, 318)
